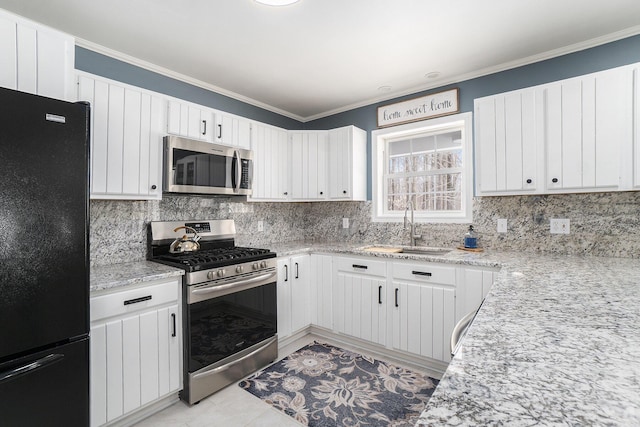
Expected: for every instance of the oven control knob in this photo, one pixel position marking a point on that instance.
(239, 269)
(263, 264)
(255, 266)
(220, 273)
(210, 275)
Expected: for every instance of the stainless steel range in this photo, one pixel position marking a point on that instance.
(229, 302)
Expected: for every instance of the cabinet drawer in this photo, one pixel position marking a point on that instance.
(361, 265)
(131, 300)
(424, 272)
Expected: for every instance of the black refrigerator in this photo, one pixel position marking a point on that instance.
(44, 261)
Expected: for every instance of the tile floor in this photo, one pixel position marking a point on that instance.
(232, 406)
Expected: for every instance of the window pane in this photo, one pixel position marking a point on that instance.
(414, 164)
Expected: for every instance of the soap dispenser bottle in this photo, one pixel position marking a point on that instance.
(471, 239)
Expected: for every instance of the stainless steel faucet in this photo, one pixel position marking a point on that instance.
(414, 236)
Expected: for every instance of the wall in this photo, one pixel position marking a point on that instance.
(602, 224)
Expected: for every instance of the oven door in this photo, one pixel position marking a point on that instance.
(202, 168)
(226, 317)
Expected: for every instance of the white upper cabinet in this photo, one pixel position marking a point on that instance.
(35, 58)
(309, 165)
(636, 121)
(126, 139)
(232, 130)
(347, 164)
(206, 124)
(574, 135)
(271, 163)
(588, 127)
(507, 146)
(190, 120)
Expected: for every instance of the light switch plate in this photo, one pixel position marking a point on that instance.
(502, 225)
(559, 226)
(260, 225)
(345, 222)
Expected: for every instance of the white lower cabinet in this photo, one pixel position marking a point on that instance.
(136, 349)
(473, 285)
(359, 298)
(423, 297)
(293, 295)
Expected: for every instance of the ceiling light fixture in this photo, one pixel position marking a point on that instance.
(277, 2)
(432, 75)
(384, 88)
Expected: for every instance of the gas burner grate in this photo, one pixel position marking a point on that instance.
(212, 256)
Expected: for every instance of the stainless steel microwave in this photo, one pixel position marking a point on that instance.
(198, 167)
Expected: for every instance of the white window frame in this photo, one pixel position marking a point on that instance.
(379, 138)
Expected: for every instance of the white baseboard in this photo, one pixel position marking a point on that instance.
(433, 368)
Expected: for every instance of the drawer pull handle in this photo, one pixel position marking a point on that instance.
(137, 300)
(364, 267)
(421, 273)
(173, 320)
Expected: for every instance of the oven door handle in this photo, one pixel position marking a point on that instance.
(239, 285)
(231, 364)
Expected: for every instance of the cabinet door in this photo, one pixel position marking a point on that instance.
(126, 140)
(134, 361)
(340, 158)
(300, 315)
(36, 59)
(472, 286)
(347, 163)
(271, 163)
(360, 307)
(321, 301)
(589, 130)
(507, 142)
(423, 319)
(190, 121)
(284, 299)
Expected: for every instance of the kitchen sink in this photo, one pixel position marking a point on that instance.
(409, 250)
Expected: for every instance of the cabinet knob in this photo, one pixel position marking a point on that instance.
(321, 193)
(153, 187)
(285, 193)
(554, 180)
(529, 181)
(344, 191)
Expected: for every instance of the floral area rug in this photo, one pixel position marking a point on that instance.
(322, 385)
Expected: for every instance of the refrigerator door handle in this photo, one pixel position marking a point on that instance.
(30, 367)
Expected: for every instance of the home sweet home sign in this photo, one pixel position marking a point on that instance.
(424, 107)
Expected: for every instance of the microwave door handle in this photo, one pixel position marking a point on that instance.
(236, 156)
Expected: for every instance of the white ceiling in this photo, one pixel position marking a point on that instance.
(319, 57)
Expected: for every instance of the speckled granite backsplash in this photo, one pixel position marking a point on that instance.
(602, 224)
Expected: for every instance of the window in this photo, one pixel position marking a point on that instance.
(427, 163)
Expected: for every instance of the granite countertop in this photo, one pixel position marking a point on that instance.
(556, 341)
(127, 274)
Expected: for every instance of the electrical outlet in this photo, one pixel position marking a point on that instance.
(559, 226)
(345, 222)
(502, 225)
(260, 225)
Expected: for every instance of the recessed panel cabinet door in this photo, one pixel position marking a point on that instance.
(320, 300)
